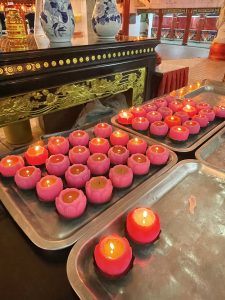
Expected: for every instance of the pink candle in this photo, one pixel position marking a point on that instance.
(172, 121)
(179, 133)
(159, 128)
(57, 164)
(99, 190)
(219, 111)
(182, 115)
(125, 117)
(79, 138)
(139, 163)
(165, 111)
(27, 177)
(103, 130)
(190, 110)
(36, 155)
(170, 98)
(175, 106)
(118, 155)
(137, 111)
(49, 187)
(193, 126)
(71, 203)
(119, 137)
(209, 113)
(98, 163)
(201, 119)
(202, 105)
(140, 123)
(79, 155)
(121, 176)
(58, 145)
(10, 164)
(99, 145)
(153, 116)
(190, 102)
(157, 154)
(160, 102)
(137, 145)
(77, 175)
(149, 107)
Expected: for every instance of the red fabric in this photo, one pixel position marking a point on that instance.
(173, 80)
(217, 51)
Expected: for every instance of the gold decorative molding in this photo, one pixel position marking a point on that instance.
(41, 102)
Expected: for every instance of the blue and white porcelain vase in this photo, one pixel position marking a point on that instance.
(57, 20)
(106, 19)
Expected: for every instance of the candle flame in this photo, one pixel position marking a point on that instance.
(37, 148)
(179, 129)
(112, 247)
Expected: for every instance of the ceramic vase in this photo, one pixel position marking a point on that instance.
(106, 21)
(57, 20)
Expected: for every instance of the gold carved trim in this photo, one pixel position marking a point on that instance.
(41, 102)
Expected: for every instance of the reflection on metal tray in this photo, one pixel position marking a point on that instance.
(212, 153)
(212, 92)
(187, 262)
(41, 222)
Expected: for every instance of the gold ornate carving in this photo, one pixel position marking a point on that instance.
(40, 102)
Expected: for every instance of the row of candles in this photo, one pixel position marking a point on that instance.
(166, 114)
(86, 161)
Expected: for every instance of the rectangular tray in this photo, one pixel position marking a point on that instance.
(187, 262)
(212, 153)
(212, 92)
(40, 221)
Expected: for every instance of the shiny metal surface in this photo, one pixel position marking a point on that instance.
(40, 221)
(212, 153)
(188, 260)
(212, 92)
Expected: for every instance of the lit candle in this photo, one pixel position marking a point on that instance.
(140, 123)
(27, 177)
(99, 145)
(162, 102)
(190, 110)
(143, 225)
(190, 87)
(77, 175)
(219, 111)
(49, 187)
(179, 133)
(193, 126)
(175, 106)
(71, 203)
(159, 128)
(113, 255)
(165, 111)
(209, 112)
(57, 164)
(98, 163)
(157, 154)
(79, 155)
(137, 145)
(137, 111)
(202, 105)
(36, 155)
(118, 155)
(58, 145)
(139, 163)
(79, 138)
(119, 137)
(125, 118)
(103, 130)
(188, 101)
(201, 119)
(182, 115)
(153, 116)
(99, 190)
(121, 176)
(149, 107)
(10, 164)
(172, 121)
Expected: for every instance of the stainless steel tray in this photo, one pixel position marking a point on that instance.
(212, 92)
(212, 153)
(40, 221)
(187, 262)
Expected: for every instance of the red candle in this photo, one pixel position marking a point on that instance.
(160, 102)
(49, 187)
(179, 133)
(113, 255)
(10, 164)
(79, 155)
(58, 145)
(175, 106)
(172, 121)
(71, 203)
(125, 118)
(121, 176)
(209, 112)
(202, 105)
(103, 130)
(165, 111)
(99, 190)
(139, 163)
(98, 163)
(190, 110)
(219, 111)
(99, 145)
(201, 119)
(149, 107)
(137, 145)
(157, 154)
(57, 164)
(190, 102)
(153, 116)
(27, 177)
(182, 115)
(159, 128)
(140, 123)
(193, 126)
(143, 225)
(118, 155)
(137, 111)
(77, 175)
(79, 138)
(119, 137)
(36, 155)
